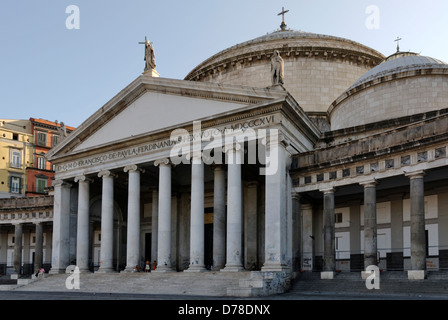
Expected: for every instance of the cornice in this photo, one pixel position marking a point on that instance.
(385, 79)
(288, 53)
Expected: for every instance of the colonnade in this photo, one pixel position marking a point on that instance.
(418, 242)
(228, 223)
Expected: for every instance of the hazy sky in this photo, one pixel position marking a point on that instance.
(49, 71)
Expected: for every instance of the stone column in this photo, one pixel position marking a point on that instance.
(276, 208)
(107, 222)
(197, 263)
(250, 226)
(418, 239)
(154, 225)
(164, 263)
(18, 232)
(61, 228)
(39, 249)
(329, 234)
(82, 238)
(219, 218)
(234, 243)
(370, 224)
(296, 232)
(307, 237)
(133, 233)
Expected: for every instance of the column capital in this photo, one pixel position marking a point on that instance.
(251, 184)
(133, 168)
(295, 195)
(415, 174)
(105, 174)
(83, 178)
(328, 190)
(369, 183)
(217, 167)
(280, 139)
(163, 162)
(196, 157)
(61, 183)
(236, 146)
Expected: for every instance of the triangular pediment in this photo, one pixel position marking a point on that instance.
(153, 112)
(152, 105)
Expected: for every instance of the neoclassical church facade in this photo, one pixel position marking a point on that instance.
(341, 166)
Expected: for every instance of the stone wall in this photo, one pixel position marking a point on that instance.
(389, 100)
(318, 68)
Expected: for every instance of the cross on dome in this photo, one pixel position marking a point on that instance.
(283, 25)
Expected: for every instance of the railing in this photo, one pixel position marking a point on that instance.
(389, 259)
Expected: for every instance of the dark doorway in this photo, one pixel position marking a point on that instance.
(208, 238)
(148, 237)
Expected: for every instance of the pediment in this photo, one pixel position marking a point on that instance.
(153, 112)
(151, 105)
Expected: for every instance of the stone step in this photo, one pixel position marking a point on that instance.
(390, 283)
(179, 283)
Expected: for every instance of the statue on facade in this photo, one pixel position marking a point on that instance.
(61, 129)
(277, 68)
(150, 57)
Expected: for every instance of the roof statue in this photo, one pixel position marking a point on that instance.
(277, 68)
(150, 57)
(61, 129)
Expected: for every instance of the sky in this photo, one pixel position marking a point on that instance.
(53, 71)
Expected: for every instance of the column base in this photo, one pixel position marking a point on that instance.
(57, 271)
(365, 274)
(196, 268)
(163, 269)
(274, 268)
(128, 270)
(232, 269)
(327, 275)
(416, 274)
(105, 270)
(84, 270)
(217, 268)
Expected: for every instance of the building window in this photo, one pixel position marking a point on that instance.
(55, 140)
(360, 170)
(405, 160)
(440, 152)
(15, 158)
(338, 217)
(15, 184)
(41, 163)
(15, 136)
(389, 163)
(422, 156)
(41, 138)
(41, 184)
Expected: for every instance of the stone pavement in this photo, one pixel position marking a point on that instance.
(392, 284)
(213, 285)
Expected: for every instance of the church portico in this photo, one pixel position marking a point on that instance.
(198, 196)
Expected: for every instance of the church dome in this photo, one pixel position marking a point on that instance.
(404, 84)
(317, 68)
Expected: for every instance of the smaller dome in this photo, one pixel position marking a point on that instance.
(404, 84)
(399, 62)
